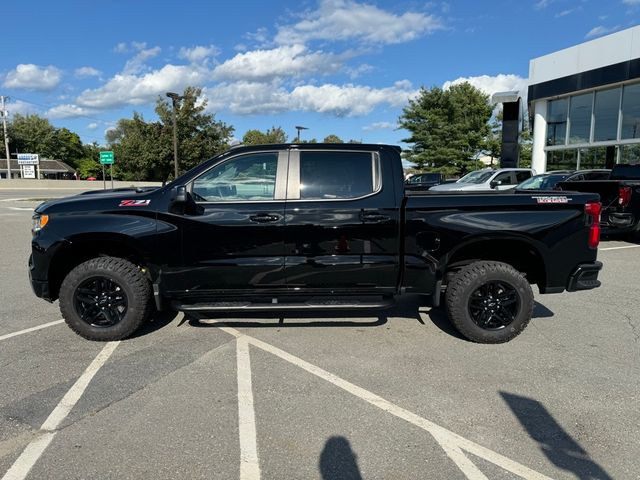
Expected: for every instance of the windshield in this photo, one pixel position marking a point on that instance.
(542, 182)
(479, 176)
(425, 178)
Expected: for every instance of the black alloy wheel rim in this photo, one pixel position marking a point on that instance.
(494, 305)
(100, 302)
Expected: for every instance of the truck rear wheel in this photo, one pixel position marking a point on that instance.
(489, 302)
(105, 299)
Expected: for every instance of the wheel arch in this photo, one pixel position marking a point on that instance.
(80, 248)
(521, 253)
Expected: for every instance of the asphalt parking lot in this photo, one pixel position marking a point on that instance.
(378, 395)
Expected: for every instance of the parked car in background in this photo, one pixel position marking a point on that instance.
(620, 196)
(550, 180)
(423, 181)
(487, 179)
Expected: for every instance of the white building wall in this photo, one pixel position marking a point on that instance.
(609, 50)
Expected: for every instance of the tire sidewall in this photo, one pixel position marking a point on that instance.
(123, 328)
(459, 305)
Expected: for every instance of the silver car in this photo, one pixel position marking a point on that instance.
(487, 179)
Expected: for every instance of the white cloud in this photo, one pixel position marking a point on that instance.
(337, 20)
(380, 126)
(284, 61)
(21, 108)
(632, 3)
(198, 53)
(130, 89)
(248, 98)
(92, 126)
(493, 84)
(600, 30)
(67, 110)
(542, 4)
(86, 72)
(33, 77)
(121, 47)
(136, 64)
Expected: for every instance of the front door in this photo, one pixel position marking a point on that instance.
(234, 241)
(342, 223)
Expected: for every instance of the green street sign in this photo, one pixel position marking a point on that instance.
(106, 158)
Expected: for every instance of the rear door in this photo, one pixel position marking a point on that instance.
(342, 223)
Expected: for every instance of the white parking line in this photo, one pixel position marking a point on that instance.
(25, 462)
(32, 329)
(249, 464)
(452, 443)
(619, 248)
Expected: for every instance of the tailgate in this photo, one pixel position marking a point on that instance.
(607, 189)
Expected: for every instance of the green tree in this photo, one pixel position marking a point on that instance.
(332, 139)
(448, 127)
(271, 136)
(144, 150)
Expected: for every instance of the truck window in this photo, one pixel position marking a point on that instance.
(337, 175)
(504, 178)
(522, 176)
(250, 177)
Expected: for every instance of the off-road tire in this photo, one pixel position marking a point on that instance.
(468, 280)
(131, 279)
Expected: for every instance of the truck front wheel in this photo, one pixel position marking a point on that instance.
(105, 298)
(489, 302)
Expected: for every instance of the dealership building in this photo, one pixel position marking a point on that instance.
(585, 104)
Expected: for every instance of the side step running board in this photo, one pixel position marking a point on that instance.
(309, 304)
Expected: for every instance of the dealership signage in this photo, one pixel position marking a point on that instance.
(28, 159)
(28, 171)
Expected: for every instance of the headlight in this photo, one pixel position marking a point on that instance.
(39, 222)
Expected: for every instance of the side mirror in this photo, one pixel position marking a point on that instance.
(494, 183)
(181, 194)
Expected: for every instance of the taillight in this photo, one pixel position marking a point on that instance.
(593, 210)
(624, 196)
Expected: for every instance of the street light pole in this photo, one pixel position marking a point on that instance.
(299, 129)
(174, 100)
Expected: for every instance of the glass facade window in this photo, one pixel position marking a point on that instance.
(562, 160)
(606, 109)
(580, 118)
(557, 122)
(631, 112)
(630, 153)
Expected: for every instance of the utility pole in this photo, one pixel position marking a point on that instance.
(6, 137)
(174, 100)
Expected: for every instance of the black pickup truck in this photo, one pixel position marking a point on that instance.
(309, 226)
(620, 197)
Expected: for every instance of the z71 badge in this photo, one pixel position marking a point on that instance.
(134, 203)
(552, 199)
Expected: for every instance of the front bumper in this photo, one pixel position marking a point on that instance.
(585, 277)
(39, 287)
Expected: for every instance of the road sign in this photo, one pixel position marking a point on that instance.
(28, 171)
(106, 158)
(28, 159)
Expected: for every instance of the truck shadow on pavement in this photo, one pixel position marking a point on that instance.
(411, 307)
(558, 446)
(338, 461)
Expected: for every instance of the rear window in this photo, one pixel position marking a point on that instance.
(337, 175)
(522, 176)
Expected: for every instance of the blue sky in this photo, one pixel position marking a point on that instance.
(336, 66)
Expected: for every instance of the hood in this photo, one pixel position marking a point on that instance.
(460, 187)
(102, 200)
